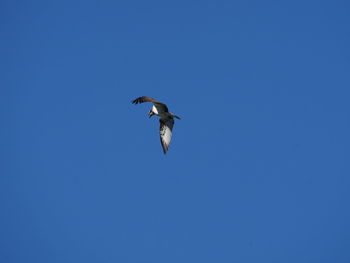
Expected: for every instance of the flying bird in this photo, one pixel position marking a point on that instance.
(166, 119)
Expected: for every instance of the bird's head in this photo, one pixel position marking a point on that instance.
(150, 113)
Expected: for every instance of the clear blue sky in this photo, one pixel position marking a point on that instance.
(258, 169)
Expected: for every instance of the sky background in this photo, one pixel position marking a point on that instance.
(258, 168)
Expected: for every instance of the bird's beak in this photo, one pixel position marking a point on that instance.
(150, 114)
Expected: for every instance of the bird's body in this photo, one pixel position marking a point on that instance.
(166, 119)
(161, 114)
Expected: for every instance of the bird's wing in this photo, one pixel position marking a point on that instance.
(161, 107)
(165, 130)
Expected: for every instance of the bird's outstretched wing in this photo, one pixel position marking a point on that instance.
(165, 131)
(143, 99)
(161, 107)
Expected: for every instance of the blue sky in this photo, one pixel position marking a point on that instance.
(258, 169)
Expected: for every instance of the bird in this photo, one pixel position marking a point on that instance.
(166, 119)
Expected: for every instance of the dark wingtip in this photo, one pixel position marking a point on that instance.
(165, 149)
